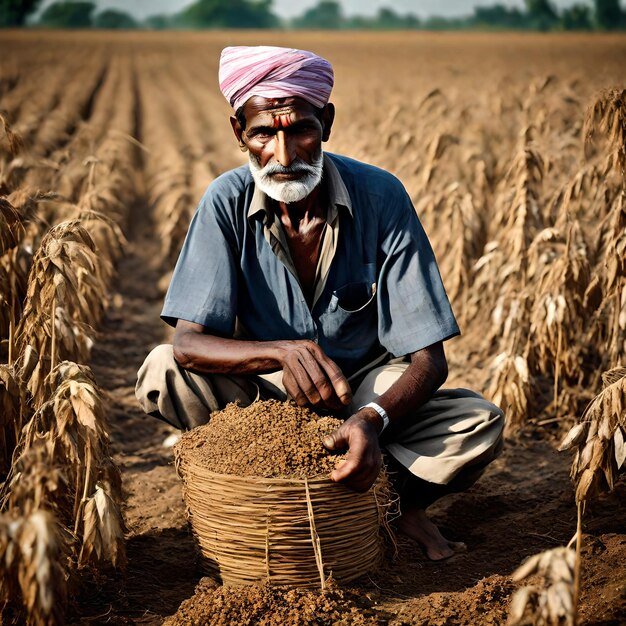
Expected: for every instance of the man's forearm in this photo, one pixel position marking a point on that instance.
(217, 355)
(309, 376)
(427, 371)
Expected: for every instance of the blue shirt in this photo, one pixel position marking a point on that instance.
(378, 289)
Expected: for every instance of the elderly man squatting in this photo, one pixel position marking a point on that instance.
(307, 275)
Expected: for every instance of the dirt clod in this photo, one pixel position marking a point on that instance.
(269, 439)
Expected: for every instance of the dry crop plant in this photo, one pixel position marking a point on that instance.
(11, 228)
(10, 142)
(62, 465)
(65, 287)
(559, 316)
(500, 282)
(69, 429)
(598, 439)
(63, 476)
(62, 462)
(608, 115)
(551, 285)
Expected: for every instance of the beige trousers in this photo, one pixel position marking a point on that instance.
(455, 431)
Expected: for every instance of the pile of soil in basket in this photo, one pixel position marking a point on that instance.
(268, 439)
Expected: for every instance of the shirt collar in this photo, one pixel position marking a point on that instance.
(337, 193)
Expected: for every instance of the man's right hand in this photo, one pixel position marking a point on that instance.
(310, 377)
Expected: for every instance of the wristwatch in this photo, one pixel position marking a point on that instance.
(379, 409)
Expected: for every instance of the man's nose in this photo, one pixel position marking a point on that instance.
(284, 152)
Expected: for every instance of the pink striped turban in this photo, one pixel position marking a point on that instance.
(273, 72)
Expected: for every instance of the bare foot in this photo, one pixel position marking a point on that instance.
(415, 524)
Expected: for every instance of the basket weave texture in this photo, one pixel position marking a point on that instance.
(282, 530)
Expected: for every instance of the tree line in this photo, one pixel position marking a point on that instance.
(326, 15)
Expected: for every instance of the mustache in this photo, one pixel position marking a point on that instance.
(297, 167)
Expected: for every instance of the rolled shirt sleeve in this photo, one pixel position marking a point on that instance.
(413, 308)
(204, 285)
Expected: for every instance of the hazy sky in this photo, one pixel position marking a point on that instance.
(290, 8)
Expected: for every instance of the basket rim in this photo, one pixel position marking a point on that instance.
(313, 480)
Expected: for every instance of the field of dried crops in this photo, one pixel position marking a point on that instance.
(513, 150)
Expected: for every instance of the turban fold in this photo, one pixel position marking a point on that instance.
(272, 72)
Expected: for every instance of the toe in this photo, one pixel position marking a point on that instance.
(441, 553)
(457, 546)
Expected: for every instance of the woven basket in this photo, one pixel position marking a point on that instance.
(285, 531)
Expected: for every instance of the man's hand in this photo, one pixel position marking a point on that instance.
(363, 460)
(310, 377)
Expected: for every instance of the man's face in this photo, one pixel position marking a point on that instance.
(284, 138)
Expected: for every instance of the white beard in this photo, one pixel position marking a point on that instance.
(289, 191)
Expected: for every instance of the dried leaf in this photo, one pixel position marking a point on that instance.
(620, 447)
(574, 436)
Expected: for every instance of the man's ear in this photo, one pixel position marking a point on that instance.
(328, 117)
(234, 122)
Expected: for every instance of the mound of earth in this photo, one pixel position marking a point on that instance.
(485, 603)
(269, 439)
(212, 605)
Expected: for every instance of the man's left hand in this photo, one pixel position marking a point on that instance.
(363, 460)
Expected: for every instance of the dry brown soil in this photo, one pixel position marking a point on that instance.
(523, 505)
(268, 439)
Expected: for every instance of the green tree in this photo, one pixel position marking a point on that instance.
(576, 17)
(436, 22)
(159, 22)
(228, 14)
(388, 19)
(608, 14)
(499, 16)
(68, 15)
(114, 19)
(541, 14)
(15, 12)
(327, 15)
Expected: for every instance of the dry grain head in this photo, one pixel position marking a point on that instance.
(10, 141)
(11, 226)
(511, 387)
(103, 530)
(598, 440)
(608, 115)
(39, 480)
(519, 211)
(34, 560)
(10, 417)
(107, 236)
(552, 602)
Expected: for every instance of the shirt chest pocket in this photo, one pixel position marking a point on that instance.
(350, 322)
(352, 298)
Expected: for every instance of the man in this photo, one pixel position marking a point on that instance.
(307, 275)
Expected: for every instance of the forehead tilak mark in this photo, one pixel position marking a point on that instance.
(282, 120)
(282, 111)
